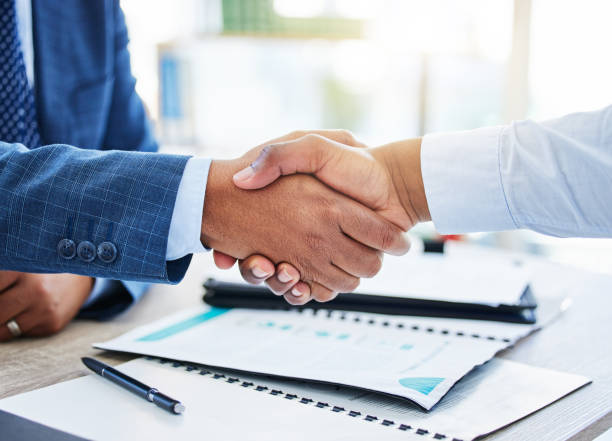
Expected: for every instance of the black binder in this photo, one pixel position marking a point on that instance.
(237, 295)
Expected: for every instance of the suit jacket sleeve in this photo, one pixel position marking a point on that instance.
(87, 197)
(128, 128)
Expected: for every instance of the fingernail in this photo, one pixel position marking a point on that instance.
(259, 273)
(284, 276)
(244, 174)
(296, 292)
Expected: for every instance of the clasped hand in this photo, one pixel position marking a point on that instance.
(318, 232)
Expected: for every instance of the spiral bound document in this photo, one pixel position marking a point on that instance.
(223, 404)
(418, 359)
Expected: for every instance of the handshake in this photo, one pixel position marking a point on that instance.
(313, 212)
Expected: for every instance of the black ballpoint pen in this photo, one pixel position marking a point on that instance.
(136, 387)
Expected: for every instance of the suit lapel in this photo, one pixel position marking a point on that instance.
(70, 52)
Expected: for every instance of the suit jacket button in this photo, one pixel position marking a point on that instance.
(86, 251)
(66, 248)
(107, 252)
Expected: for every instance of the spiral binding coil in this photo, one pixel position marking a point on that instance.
(400, 324)
(206, 371)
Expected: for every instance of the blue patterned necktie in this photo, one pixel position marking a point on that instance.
(17, 107)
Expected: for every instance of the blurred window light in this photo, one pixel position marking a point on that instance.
(569, 68)
(300, 8)
(358, 9)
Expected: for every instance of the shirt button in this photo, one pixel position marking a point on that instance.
(107, 252)
(66, 248)
(86, 251)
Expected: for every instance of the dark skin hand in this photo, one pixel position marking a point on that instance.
(330, 239)
(41, 304)
(284, 279)
(387, 179)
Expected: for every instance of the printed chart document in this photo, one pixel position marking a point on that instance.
(228, 405)
(483, 278)
(371, 351)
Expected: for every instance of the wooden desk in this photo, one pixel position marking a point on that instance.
(578, 342)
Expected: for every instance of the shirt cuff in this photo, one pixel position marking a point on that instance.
(100, 287)
(186, 223)
(462, 179)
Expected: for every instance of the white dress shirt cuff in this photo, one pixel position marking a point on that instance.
(462, 179)
(186, 223)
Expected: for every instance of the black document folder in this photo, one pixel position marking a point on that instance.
(238, 295)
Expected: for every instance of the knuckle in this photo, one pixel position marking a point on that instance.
(323, 295)
(387, 237)
(54, 326)
(314, 241)
(296, 134)
(313, 139)
(329, 208)
(347, 137)
(351, 284)
(374, 265)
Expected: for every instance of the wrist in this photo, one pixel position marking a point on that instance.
(220, 207)
(402, 161)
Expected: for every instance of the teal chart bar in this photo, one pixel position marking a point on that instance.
(184, 325)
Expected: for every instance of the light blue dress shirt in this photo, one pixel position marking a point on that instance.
(554, 177)
(186, 223)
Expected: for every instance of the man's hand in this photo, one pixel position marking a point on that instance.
(283, 279)
(41, 304)
(387, 179)
(330, 239)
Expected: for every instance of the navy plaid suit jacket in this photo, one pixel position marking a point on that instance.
(112, 188)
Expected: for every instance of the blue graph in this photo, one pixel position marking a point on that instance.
(423, 385)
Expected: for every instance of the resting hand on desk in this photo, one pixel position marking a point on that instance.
(370, 176)
(41, 304)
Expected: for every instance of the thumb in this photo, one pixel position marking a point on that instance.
(352, 171)
(304, 155)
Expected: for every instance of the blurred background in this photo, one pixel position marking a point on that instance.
(221, 76)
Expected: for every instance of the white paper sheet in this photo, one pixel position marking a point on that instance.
(420, 364)
(488, 398)
(94, 408)
(491, 397)
(449, 277)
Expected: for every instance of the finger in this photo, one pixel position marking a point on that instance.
(26, 321)
(255, 269)
(284, 279)
(321, 293)
(358, 260)
(222, 260)
(304, 155)
(300, 294)
(329, 275)
(12, 303)
(350, 171)
(339, 135)
(372, 230)
(8, 279)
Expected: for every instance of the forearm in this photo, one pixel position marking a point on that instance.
(553, 177)
(61, 192)
(402, 160)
